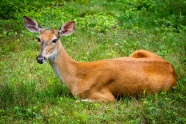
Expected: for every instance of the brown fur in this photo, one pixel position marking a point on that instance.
(104, 79)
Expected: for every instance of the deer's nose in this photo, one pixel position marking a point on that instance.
(40, 59)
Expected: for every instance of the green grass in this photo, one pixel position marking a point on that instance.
(32, 93)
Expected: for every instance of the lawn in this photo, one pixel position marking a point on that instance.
(32, 93)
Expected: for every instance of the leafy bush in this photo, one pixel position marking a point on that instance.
(100, 22)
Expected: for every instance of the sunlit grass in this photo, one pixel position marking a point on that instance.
(32, 93)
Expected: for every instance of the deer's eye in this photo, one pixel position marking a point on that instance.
(38, 39)
(54, 40)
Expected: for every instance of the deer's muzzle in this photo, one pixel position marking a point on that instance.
(40, 59)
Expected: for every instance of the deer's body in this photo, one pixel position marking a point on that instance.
(104, 79)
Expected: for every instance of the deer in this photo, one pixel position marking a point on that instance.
(102, 80)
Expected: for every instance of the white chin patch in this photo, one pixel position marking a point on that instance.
(44, 61)
(52, 56)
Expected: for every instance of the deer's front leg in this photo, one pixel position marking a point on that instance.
(101, 96)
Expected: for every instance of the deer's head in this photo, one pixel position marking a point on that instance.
(48, 39)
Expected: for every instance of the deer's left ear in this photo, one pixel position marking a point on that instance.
(67, 29)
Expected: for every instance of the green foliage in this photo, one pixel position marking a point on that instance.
(100, 22)
(31, 93)
(164, 14)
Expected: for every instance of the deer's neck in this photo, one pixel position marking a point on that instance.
(63, 65)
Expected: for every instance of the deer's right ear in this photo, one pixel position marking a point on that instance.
(32, 25)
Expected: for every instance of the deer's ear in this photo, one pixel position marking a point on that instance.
(67, 29)
(32, 25)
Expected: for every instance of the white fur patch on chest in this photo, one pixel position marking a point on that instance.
(58, 73)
